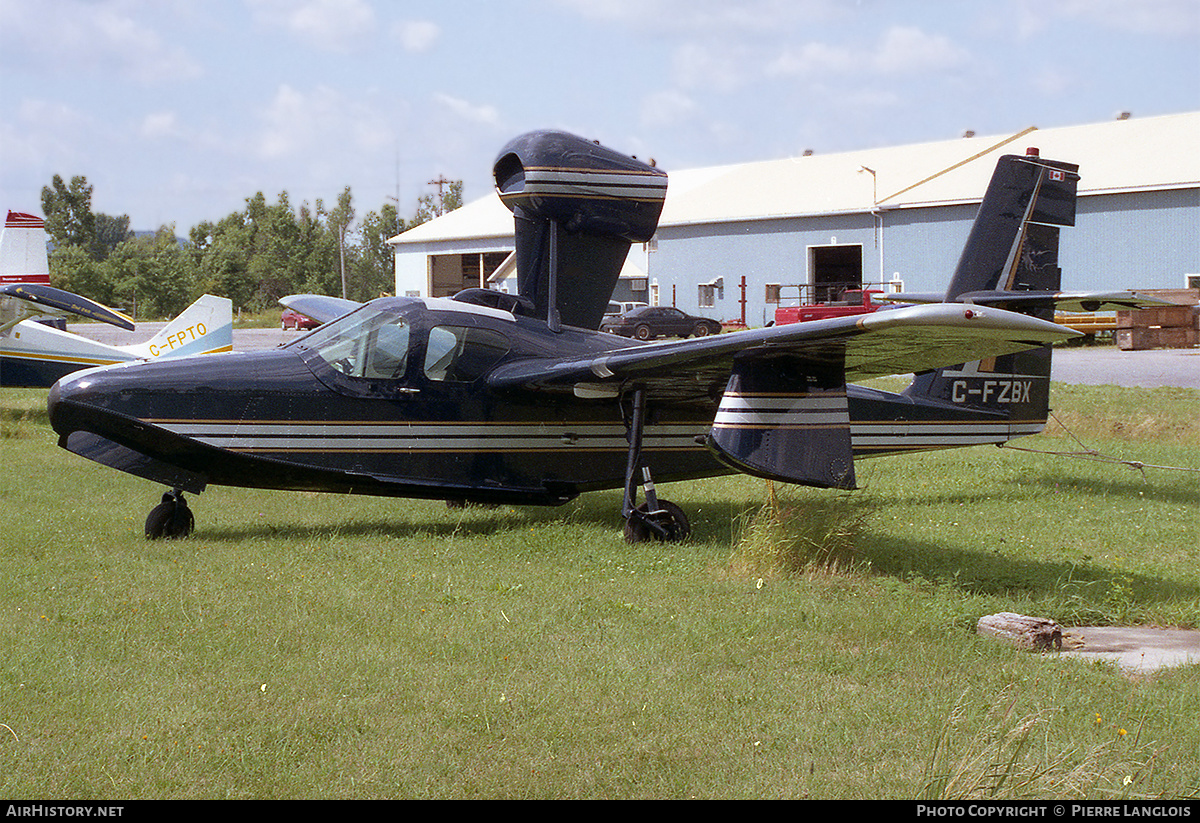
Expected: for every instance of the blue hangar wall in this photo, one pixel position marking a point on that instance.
(1126, 240)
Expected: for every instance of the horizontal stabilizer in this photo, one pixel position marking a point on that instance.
(50, 300)
(1062, 300)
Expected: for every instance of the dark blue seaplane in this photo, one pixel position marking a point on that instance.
(519, 399)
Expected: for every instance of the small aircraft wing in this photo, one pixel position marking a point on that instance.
(49, 300)
(1062, 300)
(1107, 301)
(897, 341)
(319, 307)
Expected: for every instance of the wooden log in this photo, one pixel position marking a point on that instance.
(1025, 632)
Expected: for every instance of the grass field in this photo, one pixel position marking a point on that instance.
(322, 646)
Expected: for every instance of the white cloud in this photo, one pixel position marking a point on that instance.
(46, 129)
(812, 58)
(1173, 18)
(159, 125)
(320, 123)
(74, 35)
(908, 49)
(416, 36)
(712, 16)
(484, 114)
(697, 66)
(331, 25)
(666, 108)
(900, 50)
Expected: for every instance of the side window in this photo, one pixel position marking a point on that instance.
(462, 354)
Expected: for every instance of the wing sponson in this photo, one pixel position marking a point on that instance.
(786, 419)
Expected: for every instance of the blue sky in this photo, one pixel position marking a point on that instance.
(178, 110)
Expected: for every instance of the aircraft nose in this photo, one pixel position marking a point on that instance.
(97, 416)
(67, 396)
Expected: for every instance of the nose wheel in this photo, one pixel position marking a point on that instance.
(171, 518)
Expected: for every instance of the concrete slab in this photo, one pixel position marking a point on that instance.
(1100, 365)
(1136, 649)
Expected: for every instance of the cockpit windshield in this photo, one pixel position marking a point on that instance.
(367, 343)
(374, 344)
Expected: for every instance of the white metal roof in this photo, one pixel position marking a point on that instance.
(1137, 154)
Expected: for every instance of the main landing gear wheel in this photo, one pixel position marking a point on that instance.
(654, 519)
(171, 518)
(667, 523)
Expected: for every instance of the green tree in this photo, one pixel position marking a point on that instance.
(70, 220)
(376, 273)
(223, 266)
(68, 212)
(154, 275)
(73, 270)
(110, 232)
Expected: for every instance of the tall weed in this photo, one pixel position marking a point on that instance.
(787, 538)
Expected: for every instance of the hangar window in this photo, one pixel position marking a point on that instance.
(462, 354)
(772, 293)
(709, 293)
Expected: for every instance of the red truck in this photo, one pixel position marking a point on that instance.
(853, 300)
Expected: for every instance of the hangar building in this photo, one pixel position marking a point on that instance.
(734, 242)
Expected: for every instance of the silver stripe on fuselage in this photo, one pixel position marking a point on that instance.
(279, 436)
(405, 437)
(915, 435)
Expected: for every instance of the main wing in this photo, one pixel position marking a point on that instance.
(42, 299)
(890, 341)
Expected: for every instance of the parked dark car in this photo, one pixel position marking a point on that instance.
(659, 321)
(296, 320)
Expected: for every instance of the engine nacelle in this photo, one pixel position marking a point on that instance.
(584, 202)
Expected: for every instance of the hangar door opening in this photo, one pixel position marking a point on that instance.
(833, 269)
(451, 273)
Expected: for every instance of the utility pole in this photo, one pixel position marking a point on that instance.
(440, 183)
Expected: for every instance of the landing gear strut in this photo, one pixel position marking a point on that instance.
(171, 518)
(655, 519)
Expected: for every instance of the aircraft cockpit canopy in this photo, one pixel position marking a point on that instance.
(375, 343)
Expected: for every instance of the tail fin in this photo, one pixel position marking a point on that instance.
(1010, 261)
(1013, 244)
(205, 327)
(23, 250)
